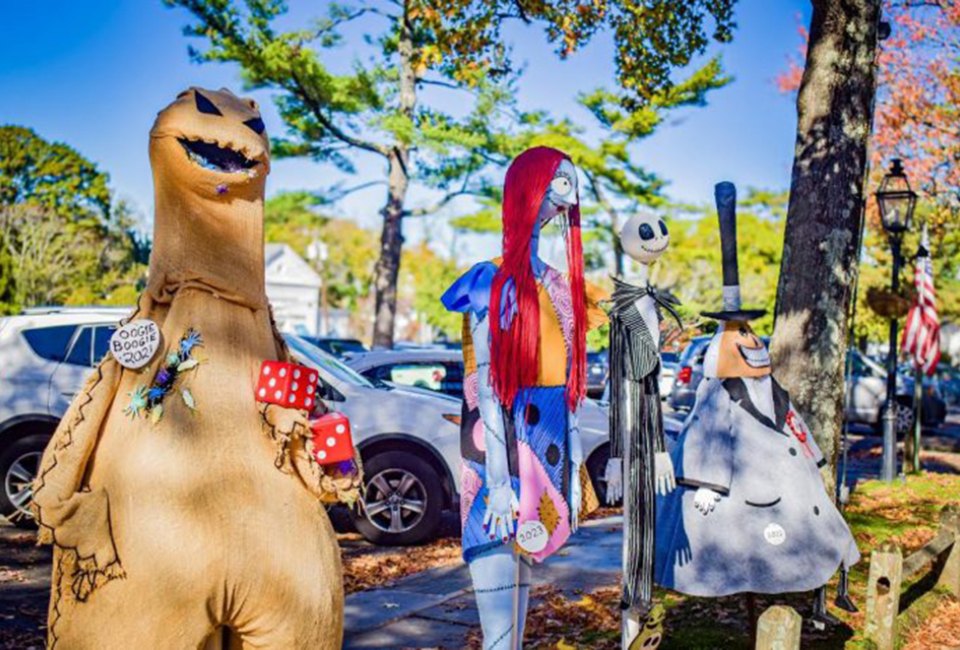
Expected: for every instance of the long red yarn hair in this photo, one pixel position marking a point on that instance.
(515, 349)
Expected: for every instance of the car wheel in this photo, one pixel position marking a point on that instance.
(597, 469)
(19, 464)
(904, 419)
(402, 500)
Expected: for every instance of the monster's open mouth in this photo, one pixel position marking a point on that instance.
(218, 159)
(755, 357)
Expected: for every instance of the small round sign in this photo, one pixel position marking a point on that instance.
(134, 344)
(775, 534)
(532, 536)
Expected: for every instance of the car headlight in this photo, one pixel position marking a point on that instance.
(452, 417)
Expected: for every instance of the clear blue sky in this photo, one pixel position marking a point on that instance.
(94, 73)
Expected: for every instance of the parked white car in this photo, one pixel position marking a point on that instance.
(45, 355)
(409, 441)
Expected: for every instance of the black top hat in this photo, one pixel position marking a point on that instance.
(726, 197)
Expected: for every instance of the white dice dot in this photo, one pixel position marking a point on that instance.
(291, 398)
(295, 387)
(321, 454)
(313, 378)
(296, 374)
(266, 370)
(331, 442)
(278, 394)
(263, 392)
(340, 428)
(308, 402)
(283, 372)
(273, 382)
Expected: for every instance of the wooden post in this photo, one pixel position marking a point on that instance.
(950, 576)
(779, 629)
(883, 595)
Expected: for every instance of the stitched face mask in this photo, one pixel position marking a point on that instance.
(644, 237)
(562, 194)
(210, 157)
(736, 352)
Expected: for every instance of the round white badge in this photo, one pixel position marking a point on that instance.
(134, 344)
(775, 534)
(532, 536)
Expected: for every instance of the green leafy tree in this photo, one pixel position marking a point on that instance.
(614, 184)
(61, 238)
(379, 107)
(427, 275)
(691, 268)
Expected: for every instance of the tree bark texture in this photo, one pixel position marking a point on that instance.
(387, 270)
(821, 241)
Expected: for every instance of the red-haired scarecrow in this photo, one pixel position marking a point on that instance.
(524, 347)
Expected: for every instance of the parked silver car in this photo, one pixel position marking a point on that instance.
(46, 355)
(409, 441)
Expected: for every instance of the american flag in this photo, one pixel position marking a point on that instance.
(921, 337)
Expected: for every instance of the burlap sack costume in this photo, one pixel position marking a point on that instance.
(202, 524)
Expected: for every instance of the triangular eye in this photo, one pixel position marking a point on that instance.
(204, 105)
(256, 124)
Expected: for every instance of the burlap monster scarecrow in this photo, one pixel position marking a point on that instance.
(184, 512)
(639, 465)
(750, 513)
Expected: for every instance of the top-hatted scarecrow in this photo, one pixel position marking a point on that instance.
(751, 513)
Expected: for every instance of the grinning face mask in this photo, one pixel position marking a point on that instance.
(561, 196)
(735, 351)
(210, 158)
(644, 237)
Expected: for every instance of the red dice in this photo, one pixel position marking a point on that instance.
(287, 384)
(332, 441)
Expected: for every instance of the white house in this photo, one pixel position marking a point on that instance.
(293, 288)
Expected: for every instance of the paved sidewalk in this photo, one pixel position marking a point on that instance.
(436, 608)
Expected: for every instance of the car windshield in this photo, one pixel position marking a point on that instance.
(326, 362)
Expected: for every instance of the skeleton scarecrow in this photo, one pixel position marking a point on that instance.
(751, 513)
(184, 509)
(523, 483)
(637, 450)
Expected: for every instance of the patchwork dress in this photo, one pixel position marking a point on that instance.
(537, 426)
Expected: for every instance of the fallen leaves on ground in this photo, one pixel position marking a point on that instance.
(941, 631)
(369, 567)
(905, 513)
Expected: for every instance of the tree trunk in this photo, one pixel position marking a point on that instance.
(391, 239)
(821, 242)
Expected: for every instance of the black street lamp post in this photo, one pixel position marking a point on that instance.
(896, 201)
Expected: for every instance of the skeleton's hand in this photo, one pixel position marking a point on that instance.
(613, 476)
(503, 509)
(705, 500)
(663, 471)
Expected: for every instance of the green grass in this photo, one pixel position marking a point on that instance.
(905, 513)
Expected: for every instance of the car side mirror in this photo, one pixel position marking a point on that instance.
(327, 393)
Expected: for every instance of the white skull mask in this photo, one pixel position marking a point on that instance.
(644, 237)
(561, 196)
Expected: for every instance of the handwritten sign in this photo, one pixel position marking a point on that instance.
(134, 344)
(532, 536)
